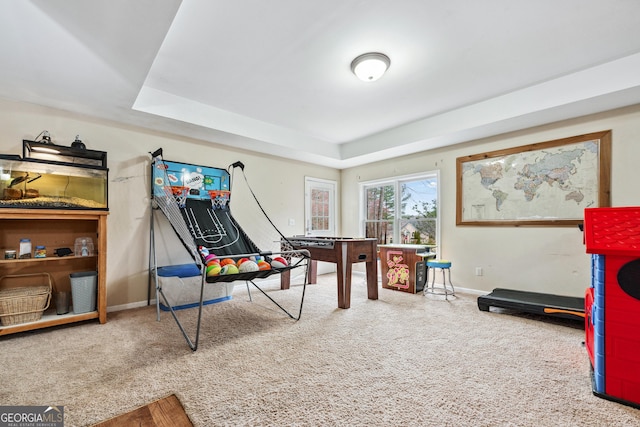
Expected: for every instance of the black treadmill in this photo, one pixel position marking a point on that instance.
(534, 302)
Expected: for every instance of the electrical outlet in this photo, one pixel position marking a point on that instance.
(478, 271)
(292, 222)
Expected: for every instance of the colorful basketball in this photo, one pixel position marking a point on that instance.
(241, 260)
(279, 262)
(213, 261)
(263, 265)
(213, 270)
(210, 257)
(248, 266)
(229, 269)
(227, 261)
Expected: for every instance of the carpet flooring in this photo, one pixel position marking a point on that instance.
(401, 360)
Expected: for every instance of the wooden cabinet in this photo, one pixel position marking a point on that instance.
(403, 266)
(55, 229)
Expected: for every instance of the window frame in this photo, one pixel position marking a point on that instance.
(396, 182)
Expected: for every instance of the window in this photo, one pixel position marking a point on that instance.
(402, 210)
(320, 207)
(379, 202)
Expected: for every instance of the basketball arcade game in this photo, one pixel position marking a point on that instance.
(196, 201)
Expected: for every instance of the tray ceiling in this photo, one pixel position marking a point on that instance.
(274, 77)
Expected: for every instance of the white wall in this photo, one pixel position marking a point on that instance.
(529, 258)
(278, 183)
(540, 259)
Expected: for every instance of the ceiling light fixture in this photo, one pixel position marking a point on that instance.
(369, 67)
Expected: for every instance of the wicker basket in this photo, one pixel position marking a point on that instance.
(24, 304)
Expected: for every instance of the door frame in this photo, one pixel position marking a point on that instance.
(332, 186)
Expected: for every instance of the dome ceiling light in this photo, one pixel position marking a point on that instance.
(369, 67)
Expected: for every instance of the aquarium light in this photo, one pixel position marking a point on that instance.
(42, 151)
(46, 150)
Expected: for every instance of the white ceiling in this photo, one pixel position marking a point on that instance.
(274, 76)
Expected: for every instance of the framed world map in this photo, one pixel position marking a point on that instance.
(546, 183)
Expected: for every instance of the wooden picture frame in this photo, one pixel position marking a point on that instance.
(546, 183)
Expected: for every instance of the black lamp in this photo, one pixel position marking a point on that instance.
(46, 137)
(78, 144)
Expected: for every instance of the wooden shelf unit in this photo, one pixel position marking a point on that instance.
(56, 229)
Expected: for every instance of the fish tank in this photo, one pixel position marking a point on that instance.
(50, 176)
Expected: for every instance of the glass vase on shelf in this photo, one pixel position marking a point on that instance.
(84, 247)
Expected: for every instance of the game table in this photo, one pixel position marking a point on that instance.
(344, 252)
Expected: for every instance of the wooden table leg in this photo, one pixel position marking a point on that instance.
(344, 280)
(285, 279)
(347, 266)
(372, 279)
(312, 275)
(312, 272)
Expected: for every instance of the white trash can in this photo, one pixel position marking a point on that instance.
(84, 286)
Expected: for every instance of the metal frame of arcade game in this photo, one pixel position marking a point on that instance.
(196, 201)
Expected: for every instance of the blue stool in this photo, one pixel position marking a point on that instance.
(447, 289)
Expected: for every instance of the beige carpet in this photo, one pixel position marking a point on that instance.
(403, 360)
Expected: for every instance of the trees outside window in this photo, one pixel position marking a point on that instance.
(402, 210)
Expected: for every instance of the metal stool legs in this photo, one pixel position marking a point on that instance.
(447, 288)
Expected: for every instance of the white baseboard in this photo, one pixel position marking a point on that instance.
(470, 291)
(358, 273)
(457, 288)
(121, 307)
